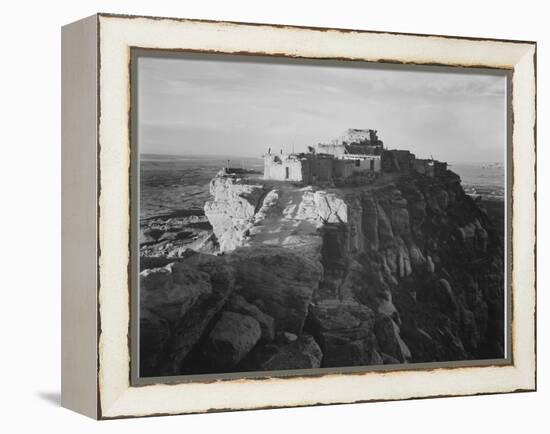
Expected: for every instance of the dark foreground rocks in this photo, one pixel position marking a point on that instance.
(301, 353)
(233, 337)
(344, 330)
(278, 280)
(177, 302)
(205, 313)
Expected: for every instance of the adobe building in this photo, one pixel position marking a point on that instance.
(397, 160)
(357, 151)
(307, 168)
(354, 142)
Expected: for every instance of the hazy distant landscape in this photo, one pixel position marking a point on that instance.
(171, 183)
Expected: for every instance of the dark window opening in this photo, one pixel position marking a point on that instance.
(357, 163)
(287, 172)
(371, 164)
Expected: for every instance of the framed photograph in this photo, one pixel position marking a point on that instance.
(261, 216)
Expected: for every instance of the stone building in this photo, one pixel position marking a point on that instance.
(313, 168)
(283, 167)
(397, 160)
(363, 162)
(357, 151)
(306, 168)
(354, 141)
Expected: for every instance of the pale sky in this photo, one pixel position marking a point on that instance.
(203, 105)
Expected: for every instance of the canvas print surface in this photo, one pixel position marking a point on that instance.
(298, 215)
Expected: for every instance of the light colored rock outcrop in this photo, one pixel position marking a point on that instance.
(244, 214)
(231, 212)
(330, 207)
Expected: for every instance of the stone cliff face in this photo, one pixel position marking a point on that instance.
(428, 261)
(407, 269)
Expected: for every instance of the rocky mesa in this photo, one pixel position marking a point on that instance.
(404, 268)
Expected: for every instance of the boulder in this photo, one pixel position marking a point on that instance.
(282, 280)
(302, 353)
(330, 207)
(232, 338)
(238, 304)
(289, 337)
(344, 331)
(183, 297)
(171, 290)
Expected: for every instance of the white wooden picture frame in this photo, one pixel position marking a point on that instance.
(96, 182)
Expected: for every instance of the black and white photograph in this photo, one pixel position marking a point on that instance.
(283, 217)
(298, 215)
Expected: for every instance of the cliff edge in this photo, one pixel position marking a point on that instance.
(405, 268)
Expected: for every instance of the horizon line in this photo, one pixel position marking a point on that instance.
(259, 157)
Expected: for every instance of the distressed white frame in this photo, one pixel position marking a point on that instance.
(116, 35)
